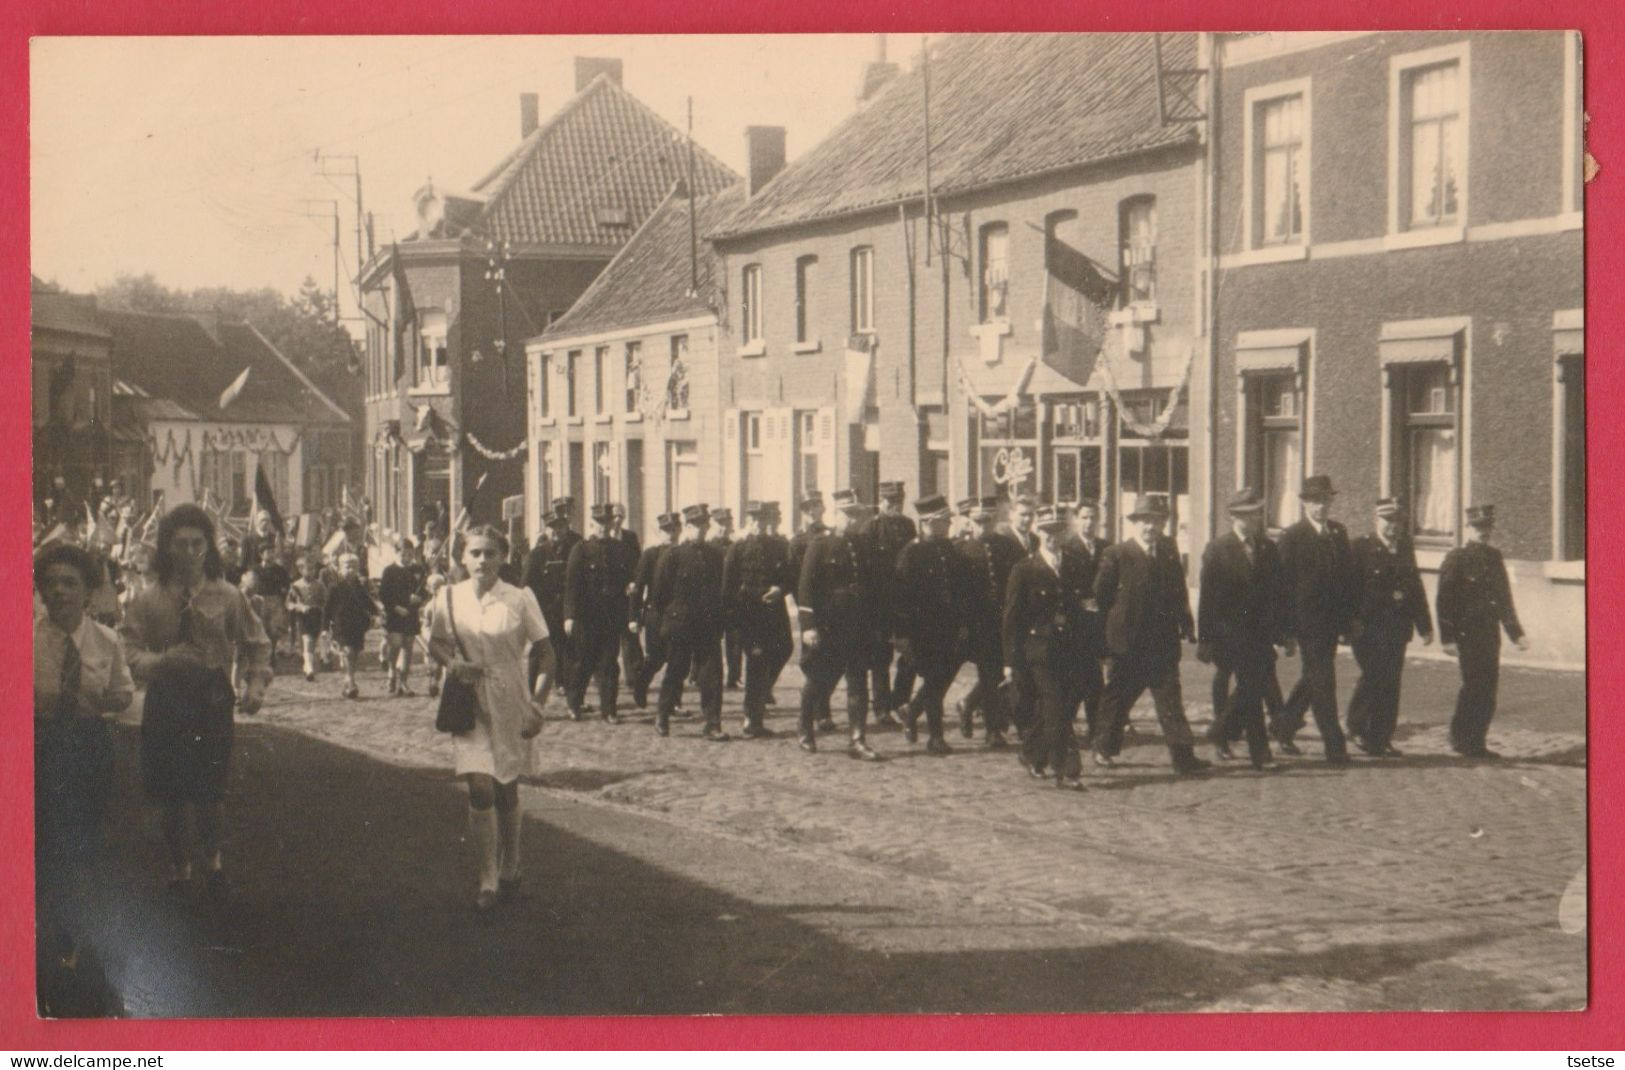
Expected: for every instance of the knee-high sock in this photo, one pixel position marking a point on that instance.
(509, 823)
(482, 827)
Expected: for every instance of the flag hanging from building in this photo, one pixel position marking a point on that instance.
(1077, 303)
(264, 499)
(859, 378)
(232, 392)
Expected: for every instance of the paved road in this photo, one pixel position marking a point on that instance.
(677, 875)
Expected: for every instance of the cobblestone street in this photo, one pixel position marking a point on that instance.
(681, 875)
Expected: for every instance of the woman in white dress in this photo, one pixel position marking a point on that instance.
(496, 624)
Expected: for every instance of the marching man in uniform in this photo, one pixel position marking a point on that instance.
(837, 630)
(990, 555)
(1474, 604)
(933, 597)
(596, 578)
(640, 609)
(1043, 620)
(1140, 588)
(688, 597)
(1391, 607)
(755, 578)
(722, 537)
(888, 533)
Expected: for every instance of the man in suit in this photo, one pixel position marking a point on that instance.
(837, 627)
(990, 555)
(722, 536)
(933, 596)
(755, 579)
(644, 620)
(1020, 526)
(888, 533)
(1042, 626)
(1317, 567)
(1240, 623)
(596, 579)
(1140, 588)
(544, 575)
(1475, 604)
(1081, 542)
(1390, 607)
(688, 597)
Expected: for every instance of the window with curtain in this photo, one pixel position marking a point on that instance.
(863, 289)
(807, 476)
(1433, 141)
(1426, 454)
(995, 282)
(750, 305)
(1279, 197)
(600, 379)
(1274, 444)
(603, 473)
(572, 362)
(1137, 261)
(634, 376)
(682, 475)
(806, 274)
(433, 366)
(677, 381)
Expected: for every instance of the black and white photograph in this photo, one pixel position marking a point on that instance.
(823, 524)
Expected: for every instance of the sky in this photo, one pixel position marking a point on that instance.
(195, 159)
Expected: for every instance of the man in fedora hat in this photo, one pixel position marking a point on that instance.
(688, 596)
(837, 627)
(1390, 607)
(1317, 567)
(1241, 620)
(755, 579)
(1042, 631)
(644, 621)
(990, 555)
(544, 575)
(888, 533)
(1475, 604)
(596, 579)
(932, 596)
(1140, 588)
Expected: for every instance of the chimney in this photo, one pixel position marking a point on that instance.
(764, 156)
(876, 73)
(590, 67)
(529, 114)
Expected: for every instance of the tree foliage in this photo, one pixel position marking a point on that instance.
(302, 327)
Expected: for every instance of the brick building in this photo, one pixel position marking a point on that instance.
(72, 397)
(623, 389)
(448, 308)
(1034, 333)
(1400, 290)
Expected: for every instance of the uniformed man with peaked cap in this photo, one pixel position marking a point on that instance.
(1390, 607)
(933, 597)
(688, 596)
(645, 620)
(1474, 605)
(755, 580)
(837, 627)
(596, 579)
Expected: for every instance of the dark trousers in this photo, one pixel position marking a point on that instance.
(1130, 677)
(986, 694)
(1374, 707)
(702, 653)
(734, 651)
(1240, 713)
(936, 670)
(824, 666)
(1091, 684)
(767, 648)
(901, 691)
(1316, 689)
(631, 658)
(1475, 704)
(597, 657)
(1051, 742)
(651, 662)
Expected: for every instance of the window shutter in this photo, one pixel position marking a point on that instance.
(778, 451)
(731, 446)
(826, 448)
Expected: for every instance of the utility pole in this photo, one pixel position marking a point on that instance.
(363, 245)
(333, 214)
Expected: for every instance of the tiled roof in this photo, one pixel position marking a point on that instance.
(605, 149)
(1003, 106)
(648, 281)
(183, 367)
(69, 313)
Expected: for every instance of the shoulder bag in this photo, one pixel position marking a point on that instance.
(458, 699)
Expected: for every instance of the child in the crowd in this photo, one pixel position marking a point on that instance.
(257, 601)
(401, 592)
(307, 604)
(350, 612)
(432, 585)
(271, 581)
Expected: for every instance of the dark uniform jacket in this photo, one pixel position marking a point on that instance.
(1089, 552)
(633, 543)
(544, 574)
(688, 591)
(830, 591)
(755, 565)
(1391, 605)
(798, 547)
(990, 559)
(640, 599)
(595, 582)
(1475, 598)
(1318, 570)
(886, 535)
(1144, 600)
(1043, 611)
(933, 593)
(1242, 601)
